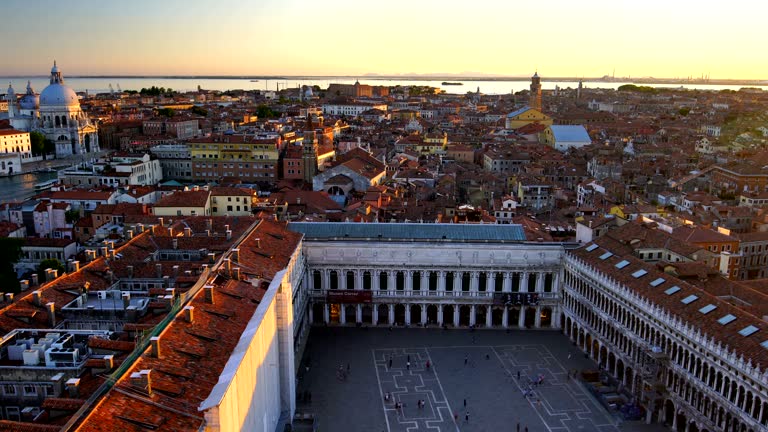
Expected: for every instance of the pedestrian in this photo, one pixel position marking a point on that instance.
(518, 374)
(466, 359)
(409, 357)
(390, 362)
(569, 356)
(465, 402)
(526, 429)
(518, 427)
(348, 367)
(456, 417)
(408, 365)
(466, 417)
(427, 364)
(487, 356)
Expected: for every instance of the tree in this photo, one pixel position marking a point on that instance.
(37, 139)
(263, 111)
(50, 147)
(10, 252)
(199, 111)
(684, 111)
(51, 263)
(72, 216)
(166, 112)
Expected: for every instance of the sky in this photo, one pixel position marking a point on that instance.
(557, 38)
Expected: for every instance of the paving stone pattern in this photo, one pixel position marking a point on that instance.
(472, 373)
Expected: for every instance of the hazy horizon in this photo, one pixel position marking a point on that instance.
(557, 38)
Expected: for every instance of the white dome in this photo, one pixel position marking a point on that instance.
(29, 101)
(58, 95)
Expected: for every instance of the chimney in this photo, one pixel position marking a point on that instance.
(160, 221)
(154, 341)
(35, 279)
(170, 293)
(140, 228)
(126, 296)
(207, 233)
(229, 234)
(228, 263)
(104, 251)
(166, 281)
(109, 362)
(51, 308)
(187, 232)
(159, 270)
(142, 380)
(189, 314)
(226, 227)
(236, 273)
(8, 297)
(24, 284)
(175, 243)
(86, 287)
(110, 276)
(129, 234)
(129, 269)
(209, 224)
(212, 257)
(236, 254)
(36, 297)
(152, 229)
(75, 266)
(170, 233)
(73, 387)
(208, 293)
(90, 255)
(176, 271)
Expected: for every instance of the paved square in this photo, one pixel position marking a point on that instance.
(457, 374)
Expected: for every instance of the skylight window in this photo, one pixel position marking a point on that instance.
(764, 344)
(640, 273)
(748, 330)
(672, 290)
(622, 264)
(658, 282)
(590, 248)
(707, 309)
(690, 299)
(606, 255)
(726, 319)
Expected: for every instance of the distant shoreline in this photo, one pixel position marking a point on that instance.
(421, 78)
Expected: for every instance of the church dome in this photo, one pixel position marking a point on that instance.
(58, 95)
(30, 100)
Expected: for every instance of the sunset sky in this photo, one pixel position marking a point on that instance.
(588, 38)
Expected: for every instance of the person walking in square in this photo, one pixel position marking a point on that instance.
(466, 360)
(427, 365)
(466, 417)
(408, 365)
(465, 402)
(390, 362)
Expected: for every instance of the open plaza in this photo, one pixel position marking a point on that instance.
(471, 373)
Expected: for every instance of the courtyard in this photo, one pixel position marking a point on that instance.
(470, 373)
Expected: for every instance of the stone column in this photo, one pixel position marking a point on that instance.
(391, 311)
(537, 320)
(456, 309)
(505, 317)
(556, 319)
(457, 283)
(375, 313)
(326, 279)
(359, 279)
(524, 282)
(556, 282)
(441, 281)
(375, 280)
(472, 317)
(521, 319)
(326, 313)
(342, 314)
(409, 281)
(407, 314)
(391, 279)
(359, 314)
(423, 313)
(474, 284)
(507, 286)
(490, 282)
(440, 315)
(342, 276)
(424, 280)
(488, 316)
(540, 282)
(311, 315)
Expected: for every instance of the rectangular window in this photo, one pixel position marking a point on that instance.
(30, 390)
(9, 389)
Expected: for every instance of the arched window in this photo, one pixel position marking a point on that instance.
(58, 121)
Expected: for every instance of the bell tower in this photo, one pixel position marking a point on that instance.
(535, 98)
(309, 153)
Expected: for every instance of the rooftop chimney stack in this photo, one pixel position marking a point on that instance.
(212, 257)
(35, 279)
(175, 243)
(208, 294)
(236, 254)
(160, 221)
(109, 362)
(73, 387)
(36, 295)
(209, 224)
(24, 284)
(228, 263)
(189, 314)
(75, 266)
(51, 308)
(126, 296)
(8, 297)
(129, 234)
(236, 273)
(229, 234)
(104, 251)
(142, 380)
(159, 270)
(140, 228)
(154, 341)
(129, 270)
(176, 271)
(170, 232)
(187, 232)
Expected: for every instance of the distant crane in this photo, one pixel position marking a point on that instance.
(111, 90)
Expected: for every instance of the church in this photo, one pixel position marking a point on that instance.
(55, 113)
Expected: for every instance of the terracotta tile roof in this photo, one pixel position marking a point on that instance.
(728, 335)
(184, 199)
(63, 404)
(47, 242)
(193, 355)
(12, 426)
(231, 191)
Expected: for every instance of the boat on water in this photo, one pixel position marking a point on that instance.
(44, 186)
(254, 80)
(452, 83)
